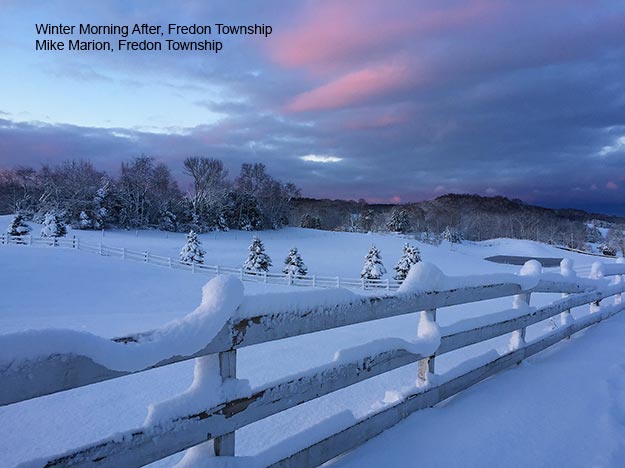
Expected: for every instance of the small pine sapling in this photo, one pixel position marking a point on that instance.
(192, 251)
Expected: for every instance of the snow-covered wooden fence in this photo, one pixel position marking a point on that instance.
(211, 270)
(253, 324)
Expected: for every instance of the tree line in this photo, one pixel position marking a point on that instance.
(146, 195)
(455, 217)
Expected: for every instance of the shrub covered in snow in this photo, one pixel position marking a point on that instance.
(451, 235)
(18, 226)
(257, 260)
(53, 225)
(373, 267)
(85, 221)
(294, 266)
(607, 249)
(428, 237)
(192, 251)
(410, 256)
(91, 219)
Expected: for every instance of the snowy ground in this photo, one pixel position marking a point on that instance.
(45, 287)
(564, 407)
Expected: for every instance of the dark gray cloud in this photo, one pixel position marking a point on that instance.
(416, 98)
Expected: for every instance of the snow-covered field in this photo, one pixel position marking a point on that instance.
(50, 287)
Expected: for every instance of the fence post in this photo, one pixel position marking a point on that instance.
(566, 269)
(78, 243)
(362, 281)
(314, 280)
(596, 272)
(217, 269)
(265, 276)
(241, 273)
(124, 253)
(146, 256)
(620, 279)
(338, 281)
(517, 340)
(193, 267)
(427, 365)
(224, 445)
(30, 240)
(388, 285)
(169, 262)
(100, 248)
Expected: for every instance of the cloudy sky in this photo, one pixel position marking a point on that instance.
(388, 100)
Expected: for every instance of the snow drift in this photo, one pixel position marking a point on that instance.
(221, 297)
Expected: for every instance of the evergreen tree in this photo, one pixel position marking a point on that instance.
(398, 221)
(257, 260)
(167, 222)
(18, 226)
(85, 221)
(192, 251)
(373, 267)
(53, 225)
(410, 256)
(367, 220)
(451, 235)
(294, 266)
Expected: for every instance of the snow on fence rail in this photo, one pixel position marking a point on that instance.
(33, 364)
(212, 270)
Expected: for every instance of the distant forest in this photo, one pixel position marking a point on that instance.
(146, 195)
(471, 217)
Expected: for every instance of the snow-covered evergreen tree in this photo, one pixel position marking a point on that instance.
(367, 220)
(410, 256)
(373, 267)
(451, 235)
(257, 260)
(18, 226)
(53, 225)
(294, 266)
(398, 221)
(192, 251)
(167, 221)
(85, 221)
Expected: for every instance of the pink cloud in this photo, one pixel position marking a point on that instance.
(338, 32)
(611, 186)
(352, 88)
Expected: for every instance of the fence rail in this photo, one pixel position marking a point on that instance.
(145, 256)
(139, 446)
